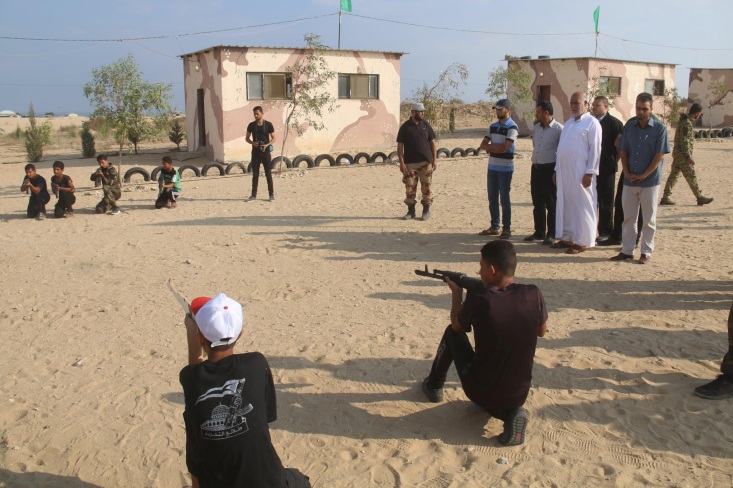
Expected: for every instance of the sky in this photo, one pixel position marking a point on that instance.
(432, 34)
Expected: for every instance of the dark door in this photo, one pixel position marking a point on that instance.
(543, 93)
(201, 119)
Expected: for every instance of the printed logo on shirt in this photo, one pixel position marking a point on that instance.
(226, 420)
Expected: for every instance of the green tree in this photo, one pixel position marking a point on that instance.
(308, 97)
(437, 98)
(125, 102)
(87, 141)
(515, 84)
(36, 136)
(673, 106)
(176, 134)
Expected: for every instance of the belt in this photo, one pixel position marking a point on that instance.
(542, 164)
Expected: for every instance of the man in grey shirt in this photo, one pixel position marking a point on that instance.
(545, 137)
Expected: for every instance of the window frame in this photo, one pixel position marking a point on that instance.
(371, 85)
(656, 83)
(605, 84)
(265, 87)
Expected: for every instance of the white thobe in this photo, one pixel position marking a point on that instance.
(578, 154)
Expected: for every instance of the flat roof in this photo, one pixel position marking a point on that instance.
(719, 69)
(587, 57)
(290, 49)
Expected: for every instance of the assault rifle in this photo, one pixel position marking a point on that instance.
(471, 285)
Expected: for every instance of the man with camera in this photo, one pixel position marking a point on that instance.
(261, 135)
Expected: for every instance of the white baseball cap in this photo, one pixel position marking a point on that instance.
(219, 319)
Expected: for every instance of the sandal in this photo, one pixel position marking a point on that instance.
(575, 249)
(561, 245)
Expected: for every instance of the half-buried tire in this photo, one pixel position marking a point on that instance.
(379, 157)
(302, 158)
(187, 167)
(325, 157)
(362, 155)
(136, 171)
(219, 166)
(231, 166)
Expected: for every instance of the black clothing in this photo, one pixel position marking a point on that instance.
(37, 201)
(166, 195)
(611, 128)
(544, 199)
(605, 184)
(261, 134)
(416, 141)
(65, 198)
(228, 407)
(726, 366)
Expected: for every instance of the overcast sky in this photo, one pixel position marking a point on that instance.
(51, 73)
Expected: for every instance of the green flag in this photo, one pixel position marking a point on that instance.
(596, 14)
(346, 5)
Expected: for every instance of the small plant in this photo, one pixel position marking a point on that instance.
(36, 136)
(176, 134)
(452, 120)
(87, 141)
(17, 133)
(673, 106)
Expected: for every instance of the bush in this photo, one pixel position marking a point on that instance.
(176, 134)
(36, 136)
(87, 141)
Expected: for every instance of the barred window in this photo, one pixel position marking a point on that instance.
(610, 85)
(358, 86)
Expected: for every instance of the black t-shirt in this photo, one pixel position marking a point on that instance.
(228, 407)
(611, 128)
(61, 183)
(416, 139)
(260, 133)
(40, 183)
(505, 324)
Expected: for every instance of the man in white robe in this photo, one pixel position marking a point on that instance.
(578, 159)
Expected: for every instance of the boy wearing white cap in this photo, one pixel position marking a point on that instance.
(230, 399)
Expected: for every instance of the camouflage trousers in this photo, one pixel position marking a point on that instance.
(422, 172)
(109, 200)
(679, 166)
(726, 367)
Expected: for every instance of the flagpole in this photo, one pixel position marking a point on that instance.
(340, 28)
(595, 55)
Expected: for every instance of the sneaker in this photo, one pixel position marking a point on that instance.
(644, 258)
(514, 428)
(667, 201)
(115, 211)
(537, 236)
(251, 198)
(622, 257)
(718, 389)
(41, 216)
(704, 200)
(505, 234)
(434, 395)
(272, 198)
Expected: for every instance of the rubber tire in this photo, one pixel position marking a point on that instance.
(394, 157)
(136, 171)
(207, 167)
(443, 151)
(324, 157)
(154, 173)
(193, 168)
(470, 152)
(360, 156)
(456, 151)
(697, 135)
(231, 166)
(278, 160)
(378, 155)
(344, 157)
(300, 158)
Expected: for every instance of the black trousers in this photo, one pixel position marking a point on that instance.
(264, 158)
(37, 204)
(64, 203)
(618, 214)
(165, 196)
(605, 184)
(544, 199)
(726, 367)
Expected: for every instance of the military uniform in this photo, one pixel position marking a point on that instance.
(110, 188)
(681, 155)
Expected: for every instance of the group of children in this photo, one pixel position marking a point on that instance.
(169, 189)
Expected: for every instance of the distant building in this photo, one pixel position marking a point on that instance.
(8, 113)
(699, 91)
(224, 83)
(556, 79)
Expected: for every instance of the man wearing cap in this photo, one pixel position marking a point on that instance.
(229, 400)
(417, 153)
(499, 143)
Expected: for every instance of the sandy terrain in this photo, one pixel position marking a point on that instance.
(94, 342)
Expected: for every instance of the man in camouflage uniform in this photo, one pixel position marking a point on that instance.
(110, 186)
(682, 161)
(416, 150)
(722, 386)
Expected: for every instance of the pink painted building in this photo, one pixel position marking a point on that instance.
(224, 83)
(700, 91)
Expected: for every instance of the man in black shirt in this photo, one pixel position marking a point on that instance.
(611, 135)
(418, 160)
(507, 319)
(261, 135)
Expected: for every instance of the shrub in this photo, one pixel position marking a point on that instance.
(87, 141)
(36, 136)
(176, 134)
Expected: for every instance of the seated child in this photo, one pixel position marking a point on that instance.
(63, 188)
(169, 184)
(229, 400)
(110, 186)
(39, 196)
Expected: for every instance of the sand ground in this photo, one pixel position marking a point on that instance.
(94, 342)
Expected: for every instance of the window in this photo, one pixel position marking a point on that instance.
(358, 86)
(655, 87)
(610, 85)
(267, 86)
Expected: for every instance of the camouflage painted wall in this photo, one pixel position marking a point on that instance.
(563, 77)
(699, 91)
(355, 125)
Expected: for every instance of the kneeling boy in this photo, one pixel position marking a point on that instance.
(35, 184)
(507, 319)
(230, 399)
(169, 185)
(63, 188)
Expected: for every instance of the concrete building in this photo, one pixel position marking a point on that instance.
(700, 92)
(224, 83)
(555, 79)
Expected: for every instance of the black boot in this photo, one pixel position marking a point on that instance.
(425, 211)
(410, 212)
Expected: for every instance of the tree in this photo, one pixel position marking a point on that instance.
(717, 91)
(125, 102)
(673, 106)
(436, 98)
(599, 87)
(308, 98)
(87, 141)
(36, 136)
(515, 84)
(176, 134)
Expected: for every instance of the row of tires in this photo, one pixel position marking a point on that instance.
(704, 134)
(302, 160)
